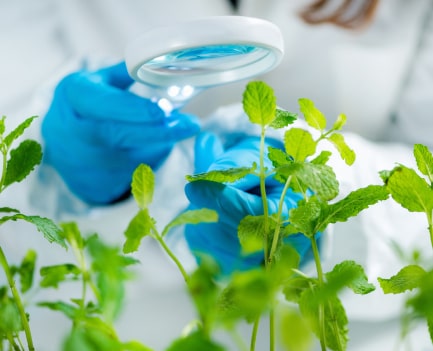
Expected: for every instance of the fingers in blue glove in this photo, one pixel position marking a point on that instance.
(207, 148)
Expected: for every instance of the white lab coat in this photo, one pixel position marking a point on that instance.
(356, 73)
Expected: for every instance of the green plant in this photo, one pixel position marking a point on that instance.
(297, 304)
(17, 163)
(251, 294)
(413, 190)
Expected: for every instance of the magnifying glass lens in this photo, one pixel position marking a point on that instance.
(206, 58)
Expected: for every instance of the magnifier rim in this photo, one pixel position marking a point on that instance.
(207, 31)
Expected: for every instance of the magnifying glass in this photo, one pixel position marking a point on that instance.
(175, 62)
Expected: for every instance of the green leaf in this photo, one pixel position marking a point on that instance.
(139, 227)
(283, 119)
(346, 153)
(2, 125)
(26, 270)
(322, 158)
(53, 275)
(340, 122)
(335, 319)
(134, 346)
(9, 210)
(295, 286)
(22, 161)
(143, 184)
(203, 215)
(407, 278)
(85, 338)
(44, 225)
(10, 321)
(295, 332)
(251, 234)
(299, 144)
(424, 160)
(109, 266)
(223, 176)
(259, 103)
(319, 178)
(352, 205)
(72, 234)
(278, 157)
(18, 131)
(248, 295)
(348, 274)
(312, 115)
(196, 341)
(410, 190)
(304, 217)
(67, 309)
(203, 289)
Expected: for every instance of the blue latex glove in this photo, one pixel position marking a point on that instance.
(96, 133)
(233, 202)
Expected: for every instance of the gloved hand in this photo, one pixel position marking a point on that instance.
(233, 202)
(96, 133)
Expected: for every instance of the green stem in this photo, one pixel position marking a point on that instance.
(254, 334)
(272, 329)
(17, 300)
(4, 165)
(320, 282)
(263, 194)
(172, 256)
(276, 236)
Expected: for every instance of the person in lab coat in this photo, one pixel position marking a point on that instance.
(375, 75)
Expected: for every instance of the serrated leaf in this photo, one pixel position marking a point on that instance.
(223, 176)
(352, 205)
(143, 184)
(424, 160)
(251, 234)
(346, 153)
(46, 226)
(313, 116)
(18, 131)
(283, 119)
(407, 278)
(278, 157)
(335, 319)
(203, 215)
(259, 103)
(351, 275)
(139, 227)
(299, 144)
(410, 190)
(319, 178)
(53, 275)
(304, 217)
(22, 161)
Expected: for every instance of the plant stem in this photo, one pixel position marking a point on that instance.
(254, 334)
(17, 300)
(320, 282)
(263, 194)
(172, 256)
(276, 236)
